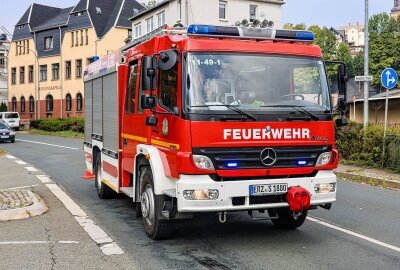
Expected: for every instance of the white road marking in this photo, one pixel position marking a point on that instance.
(31, 169)
(20, 162)
(44, 179)
(49, 144)
(21, 187)
(366, 238)
(98, 235)
(10, 156)
(36, 242)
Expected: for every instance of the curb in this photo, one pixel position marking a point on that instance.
(372, 181)
(37, 208)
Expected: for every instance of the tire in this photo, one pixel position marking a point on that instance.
(286, 220)
(151, 205)
(12, 141)
(103, 191)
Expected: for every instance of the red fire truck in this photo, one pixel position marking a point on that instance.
(214, 119)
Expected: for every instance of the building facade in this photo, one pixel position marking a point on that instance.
(395, 12)
(51, 48)
(4, 47)
(354, 36)
(214, 12)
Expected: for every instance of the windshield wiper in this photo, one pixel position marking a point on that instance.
(232, 107)
(296, 107)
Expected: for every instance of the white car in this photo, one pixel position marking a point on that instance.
(11, 118)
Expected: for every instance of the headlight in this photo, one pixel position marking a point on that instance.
(324, 159)
(325, 188)
(12, 133)
(201, 194)
(203, 162)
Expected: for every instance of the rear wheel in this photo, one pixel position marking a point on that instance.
(151, 205)
(103, 191)
(286, 219)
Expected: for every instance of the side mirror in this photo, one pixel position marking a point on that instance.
(148, 75)
(342, 105)
(342, 79)
(341, 122)
(147, 102)
(167, 60)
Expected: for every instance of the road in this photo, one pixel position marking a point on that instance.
(361, 231)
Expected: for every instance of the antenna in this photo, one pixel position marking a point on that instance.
(6, 32)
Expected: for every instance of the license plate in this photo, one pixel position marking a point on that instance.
(12, 121)
(268, 189)
(4, 137)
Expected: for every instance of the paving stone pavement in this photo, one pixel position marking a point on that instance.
(15, 199)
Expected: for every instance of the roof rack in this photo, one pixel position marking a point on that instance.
(164, 29)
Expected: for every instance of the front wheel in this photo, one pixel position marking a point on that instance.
(151, 205)
(286, 220)
(103, 191)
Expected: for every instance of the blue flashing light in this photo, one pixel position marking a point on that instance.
(95, 58)
(301, 162)
(305, 35)
(232, 164)
(250, 32)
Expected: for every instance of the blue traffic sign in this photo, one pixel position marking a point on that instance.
(389, 78)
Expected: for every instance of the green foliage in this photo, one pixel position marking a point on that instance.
(365, 147)
(326, 40)
(55, 125)
(3, 107)
(358, 65)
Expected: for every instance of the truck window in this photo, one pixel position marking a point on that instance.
(131, 90)
(168, 89)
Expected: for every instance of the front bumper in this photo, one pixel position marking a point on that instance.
(233, 189)
(7, 139)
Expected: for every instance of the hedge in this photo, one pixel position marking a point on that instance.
(365, 147)
(60, 124)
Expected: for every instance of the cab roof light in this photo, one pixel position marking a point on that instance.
(250, 32)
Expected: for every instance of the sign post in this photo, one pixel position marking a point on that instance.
(389, 80)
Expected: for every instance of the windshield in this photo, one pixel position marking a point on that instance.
(255, 83)
(11, 115)
(4, 126)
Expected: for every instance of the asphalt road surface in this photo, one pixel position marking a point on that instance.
(361, 231)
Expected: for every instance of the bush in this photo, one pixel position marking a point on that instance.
(61, 124)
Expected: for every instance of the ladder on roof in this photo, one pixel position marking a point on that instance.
(164, 29)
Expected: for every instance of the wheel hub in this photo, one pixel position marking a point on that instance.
(147, 205)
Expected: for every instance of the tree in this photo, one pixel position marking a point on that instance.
(3, 107)
(343, 54)
(358, 64)
(288, 26)
(326, 40)
(300, 26)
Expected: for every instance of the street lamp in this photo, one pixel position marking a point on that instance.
(37, 84)
(366, 71)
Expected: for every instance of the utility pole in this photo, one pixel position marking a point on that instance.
(366, 71)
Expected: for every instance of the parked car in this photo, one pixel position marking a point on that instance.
(11, 118)
(6, 132)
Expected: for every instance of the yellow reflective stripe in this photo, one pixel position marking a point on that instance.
(165, 144)
(135, 138)
(153, 141)
(109, 184)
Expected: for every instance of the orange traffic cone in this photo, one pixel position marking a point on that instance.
(88, 175)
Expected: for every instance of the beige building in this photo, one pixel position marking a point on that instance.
(376, 108)
(214, 12)
(354, 36)
(395, 12)
(51, 48)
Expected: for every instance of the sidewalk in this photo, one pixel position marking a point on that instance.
(372, 177)
(53, 240)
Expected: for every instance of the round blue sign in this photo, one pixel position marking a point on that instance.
(389, 78)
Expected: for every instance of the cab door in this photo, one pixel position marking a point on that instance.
(134, 131)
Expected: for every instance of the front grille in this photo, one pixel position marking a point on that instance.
(249, 157)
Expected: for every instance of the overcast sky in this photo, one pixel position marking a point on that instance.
(321, 12)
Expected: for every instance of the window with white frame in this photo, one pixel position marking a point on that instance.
(149, 23)
(48, 43)
(161, 19)
(222, 10)
(138, 30)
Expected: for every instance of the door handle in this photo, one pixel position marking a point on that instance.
(125, 142)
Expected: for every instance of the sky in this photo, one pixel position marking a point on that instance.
(321, 12)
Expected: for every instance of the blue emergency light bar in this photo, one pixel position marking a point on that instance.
(250, 32)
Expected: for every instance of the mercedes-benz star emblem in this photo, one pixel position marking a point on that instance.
(268, 156)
